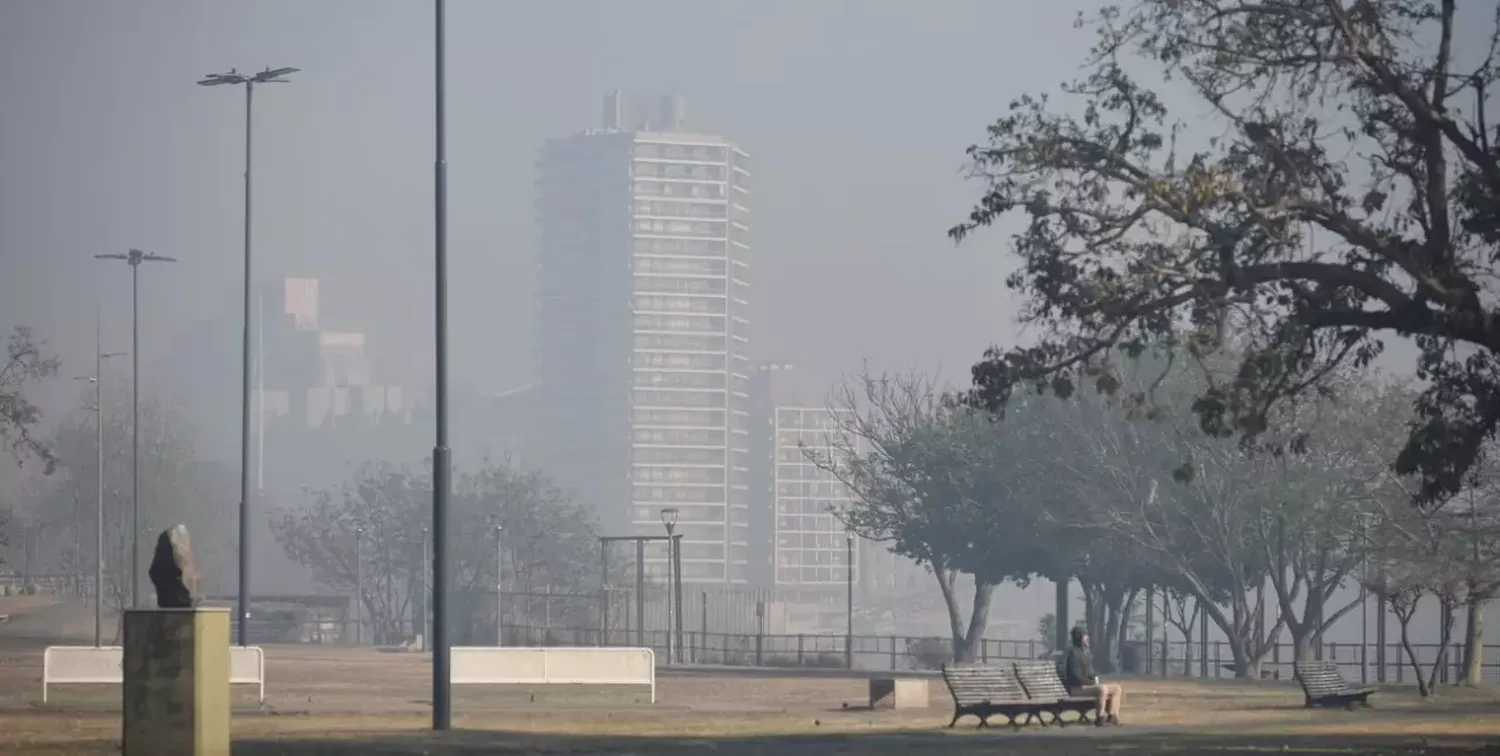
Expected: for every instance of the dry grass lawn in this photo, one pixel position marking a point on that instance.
(338, 701)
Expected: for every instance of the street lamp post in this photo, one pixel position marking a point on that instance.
(359, 587)
(134, 258)
(420, 625)
(268, 76)
(98, 380)
(669, 519)
(848, 601)
(499, 586)
(442, 690)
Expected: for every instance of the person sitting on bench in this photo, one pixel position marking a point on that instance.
(1078, 675)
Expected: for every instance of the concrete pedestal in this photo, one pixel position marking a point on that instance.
(898, 693)
(176, 691)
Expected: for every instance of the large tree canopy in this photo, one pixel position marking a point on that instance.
(1342, 189)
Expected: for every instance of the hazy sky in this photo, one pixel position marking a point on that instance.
(857, 113)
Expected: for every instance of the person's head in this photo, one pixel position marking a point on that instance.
(1080, 637)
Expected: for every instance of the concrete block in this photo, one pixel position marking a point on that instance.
(176, 682)
(898, 693)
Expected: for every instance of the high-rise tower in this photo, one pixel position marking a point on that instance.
(642, 318)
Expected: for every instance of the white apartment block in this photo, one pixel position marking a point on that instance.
(812, 551)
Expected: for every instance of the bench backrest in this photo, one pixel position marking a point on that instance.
(1041, 681)
(1320, 678)
(977, 683)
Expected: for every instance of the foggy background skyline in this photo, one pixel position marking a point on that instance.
(856, 114)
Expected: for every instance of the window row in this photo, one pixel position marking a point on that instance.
(652, 379)
(809, 575)
(713, 229)
(703, 152)
(685, 247)
(648, 284)
(705, 305)
(666, 397)
(677, 475)
(806, 490)
(824, 523)
(813, 548)
(711, 324)
(678, 436)
(808, 506)
(678, 456)
(673, 189)
(681, 361)
(642, 169)
(670, 265)
(688, 494)
(689, 342)
(670, 209)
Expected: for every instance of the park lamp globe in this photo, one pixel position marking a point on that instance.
(669, 519)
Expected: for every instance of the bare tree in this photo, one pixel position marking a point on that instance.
(547, 540)
(176, 488)
(937, 484)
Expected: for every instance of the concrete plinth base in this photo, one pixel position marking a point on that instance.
(898, 693)
(176, 691)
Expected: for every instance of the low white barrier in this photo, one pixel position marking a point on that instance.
(74, 665)
(591, 665)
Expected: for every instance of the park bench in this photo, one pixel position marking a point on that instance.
(985, 690)
(1046, 689)
(1325, 687)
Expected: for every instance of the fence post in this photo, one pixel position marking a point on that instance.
(1218, 661)
(1031, 649)
(893, 653)
(760, 642)
(799, 649)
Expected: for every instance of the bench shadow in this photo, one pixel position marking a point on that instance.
(1000, 740)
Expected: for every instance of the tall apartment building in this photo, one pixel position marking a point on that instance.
(642, 319)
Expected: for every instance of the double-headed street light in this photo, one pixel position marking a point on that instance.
(134, 258)
(268, 76)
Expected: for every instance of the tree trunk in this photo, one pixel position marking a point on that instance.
(1122, 630)
(950, 602)
(968, 650)
(1474, 643)
(1404, 620)
(1303, 640)
(1447, 608)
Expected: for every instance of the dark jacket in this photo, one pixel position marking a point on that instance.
(1077, 668)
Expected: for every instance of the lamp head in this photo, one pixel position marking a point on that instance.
(669, 518)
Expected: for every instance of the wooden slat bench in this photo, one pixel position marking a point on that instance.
(1325, 687)
(985, 691)
(1046, 689)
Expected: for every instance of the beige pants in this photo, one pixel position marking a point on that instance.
(1110, 697)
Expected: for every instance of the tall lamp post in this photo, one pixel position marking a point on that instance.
(268, 76)
(499, 586)
(359, 586)
(849, 600)
(134, 258)
(98, 380)
(442, 690)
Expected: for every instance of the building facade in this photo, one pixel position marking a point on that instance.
(642, 323)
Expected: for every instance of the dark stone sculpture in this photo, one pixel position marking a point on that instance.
(172, 570)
